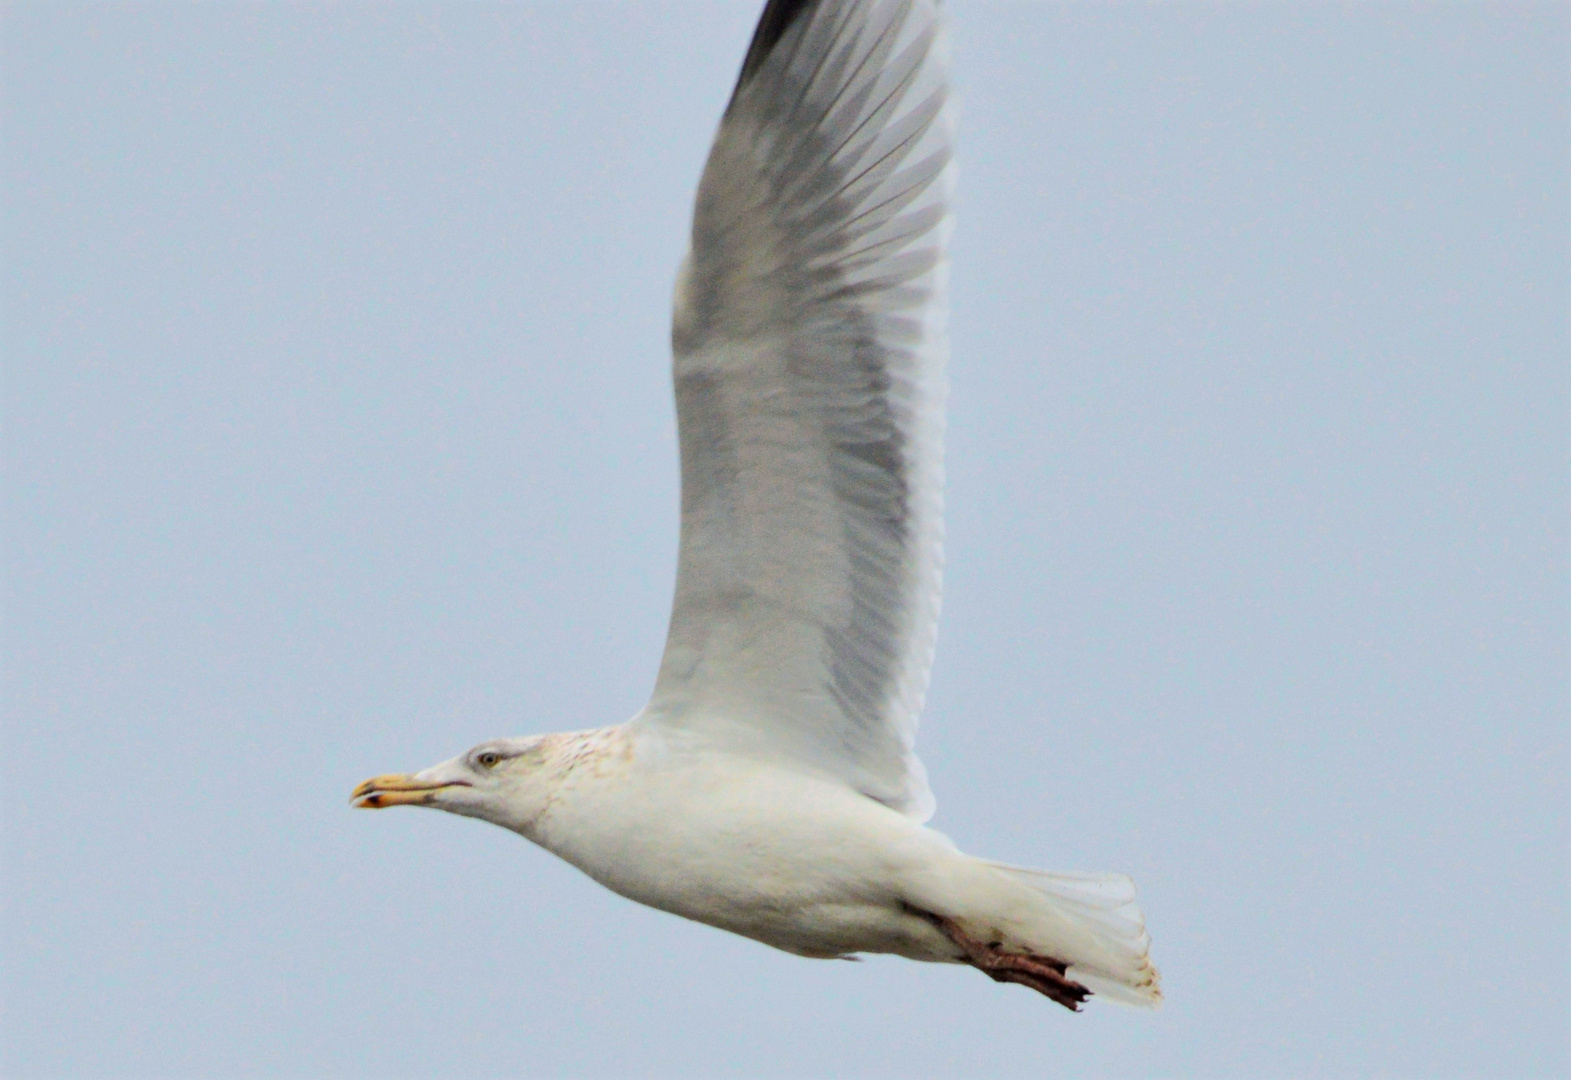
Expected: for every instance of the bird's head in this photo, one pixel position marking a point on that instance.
(504, 781)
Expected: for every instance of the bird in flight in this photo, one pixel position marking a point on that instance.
(770, 786)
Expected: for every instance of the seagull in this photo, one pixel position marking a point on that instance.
(770, 786)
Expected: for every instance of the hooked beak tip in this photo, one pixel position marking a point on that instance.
(396, 790)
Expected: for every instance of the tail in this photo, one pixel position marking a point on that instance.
(1110, 950)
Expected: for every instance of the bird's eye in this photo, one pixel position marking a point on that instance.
(488, 759)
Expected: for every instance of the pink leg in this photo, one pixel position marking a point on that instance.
(1044, 975)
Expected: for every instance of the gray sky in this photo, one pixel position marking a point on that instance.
(338, 437)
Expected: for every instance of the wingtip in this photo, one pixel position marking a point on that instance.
(778, 16)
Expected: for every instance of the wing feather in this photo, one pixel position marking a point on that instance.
(809, 353)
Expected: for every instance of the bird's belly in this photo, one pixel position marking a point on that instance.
(805, 866)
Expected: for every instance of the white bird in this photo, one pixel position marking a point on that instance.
(770, 787)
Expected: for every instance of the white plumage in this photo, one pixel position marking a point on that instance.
(770, 787)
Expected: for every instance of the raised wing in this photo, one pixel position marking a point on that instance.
(809, 354)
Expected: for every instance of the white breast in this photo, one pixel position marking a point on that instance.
(799, 862)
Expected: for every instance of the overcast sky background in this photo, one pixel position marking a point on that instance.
(339, 437)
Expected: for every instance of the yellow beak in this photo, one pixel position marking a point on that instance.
(397, 789)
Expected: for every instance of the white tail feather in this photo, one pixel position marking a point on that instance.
(1104, 908)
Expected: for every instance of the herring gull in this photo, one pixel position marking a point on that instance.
(770, 787)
